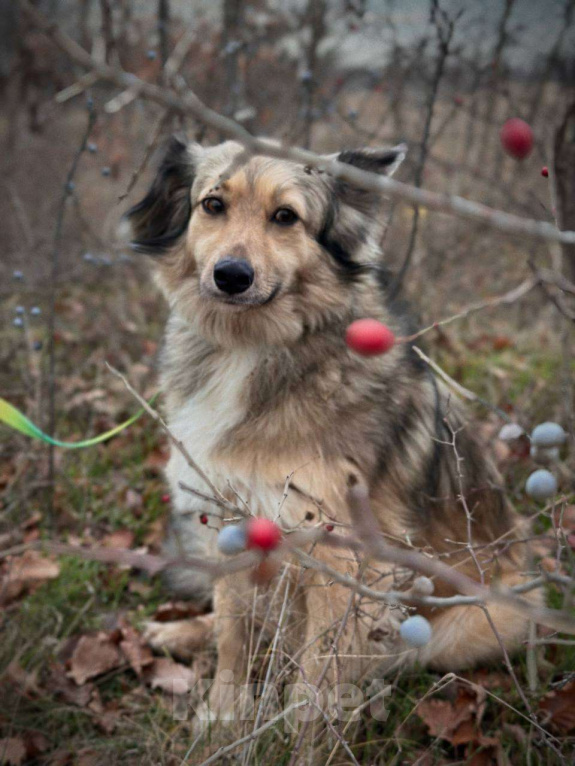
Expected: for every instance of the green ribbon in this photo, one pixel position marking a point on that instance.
(19, 422)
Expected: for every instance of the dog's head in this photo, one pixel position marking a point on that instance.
(258, 251)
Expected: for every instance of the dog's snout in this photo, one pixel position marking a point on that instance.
(233, 275)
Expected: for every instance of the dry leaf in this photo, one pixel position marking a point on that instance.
(59, 683)
(12, 751)
(458, 721)
(25, 572)
(93, 656)
(135, 650)
(560, 708)
(121, 538)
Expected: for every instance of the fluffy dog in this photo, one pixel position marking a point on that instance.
(264, 264)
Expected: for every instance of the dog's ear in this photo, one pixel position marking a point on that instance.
(382, 161)
(352, 217)
(163, 215)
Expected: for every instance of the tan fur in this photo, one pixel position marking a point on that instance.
(263, 390)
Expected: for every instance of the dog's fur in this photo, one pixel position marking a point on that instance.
(265, 387)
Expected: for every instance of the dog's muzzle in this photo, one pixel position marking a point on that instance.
(233, 275)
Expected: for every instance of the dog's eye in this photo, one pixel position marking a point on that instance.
(213, 205)
(284, 217)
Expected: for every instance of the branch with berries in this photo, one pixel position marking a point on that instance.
(187, 102)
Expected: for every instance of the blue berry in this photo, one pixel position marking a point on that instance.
(37, 345)
(541, 485)
(17, 275)
(232, 540)
(416, 631)
(548, 435)
(106, 172)
(18, 322)
(70, 186)
(151, 55)
(20, 310)
(88, 257)
(35, 311)
(92, 148)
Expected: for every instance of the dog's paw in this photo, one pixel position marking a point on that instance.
(181, 638)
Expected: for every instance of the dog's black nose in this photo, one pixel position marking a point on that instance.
(233, 275)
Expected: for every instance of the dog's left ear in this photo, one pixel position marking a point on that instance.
(352, 215)
(382, 161)
(161, 218)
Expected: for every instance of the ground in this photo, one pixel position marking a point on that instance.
(57, 707)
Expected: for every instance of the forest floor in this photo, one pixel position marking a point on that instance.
(78, 684)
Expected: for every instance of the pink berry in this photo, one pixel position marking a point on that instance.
(263, 534)
(204, 518)
(369, 337)
(545, 171)
(165, 498)
(517, 138)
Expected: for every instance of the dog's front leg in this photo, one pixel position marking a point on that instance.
(232, 607)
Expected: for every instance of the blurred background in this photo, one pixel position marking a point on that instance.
(442, 76)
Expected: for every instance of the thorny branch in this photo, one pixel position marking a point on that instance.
(190, 104)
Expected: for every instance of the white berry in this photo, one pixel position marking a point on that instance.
(510, 432)
(232, 540)
(548, 435)
(423, 585)
(541, 485)
(416, 631)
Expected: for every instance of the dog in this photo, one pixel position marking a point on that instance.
(264, 264)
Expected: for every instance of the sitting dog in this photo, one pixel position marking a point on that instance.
(265, 263)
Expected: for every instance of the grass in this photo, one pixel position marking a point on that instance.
(92, 502)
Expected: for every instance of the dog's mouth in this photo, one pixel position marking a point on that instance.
(249, 299)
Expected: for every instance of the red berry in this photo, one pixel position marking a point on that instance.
(204, 518)
(165, 498)
(517, 138)
(329, 527)
(458, 100)
(545, 171)
(263, 534)
(369, 337)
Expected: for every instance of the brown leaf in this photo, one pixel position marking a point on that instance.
(26, 572)
(121, 538)
(170, 676)
(560, 708)
(59, 683)
(93, 656)
(27, 682)
(12, 751)
(138, 654)
(457, 721)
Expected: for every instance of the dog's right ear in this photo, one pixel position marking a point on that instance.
(161, 218)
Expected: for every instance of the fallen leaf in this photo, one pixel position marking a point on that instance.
(121, 538)
(58, 683)
(457, 721)
(27, 682)
(560, 708)
(93, 655)
(26, 572)
(12, 751)
(138, 654)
